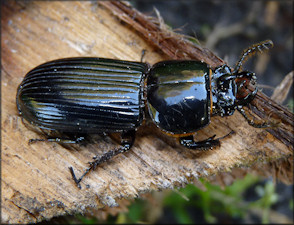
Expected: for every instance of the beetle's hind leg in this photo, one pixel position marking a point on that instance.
(54, 135)
(127, 142)
(63, 140)
(206, 144)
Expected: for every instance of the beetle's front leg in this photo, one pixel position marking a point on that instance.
(206, 144)
(127, 142)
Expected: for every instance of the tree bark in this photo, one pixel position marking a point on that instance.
(36, 183)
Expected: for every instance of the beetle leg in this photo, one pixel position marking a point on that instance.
(206, 144)
(252, 123)
(127, 142)
(63, 140)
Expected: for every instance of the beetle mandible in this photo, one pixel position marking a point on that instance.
(96, 95)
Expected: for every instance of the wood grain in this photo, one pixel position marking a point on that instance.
(36, 183)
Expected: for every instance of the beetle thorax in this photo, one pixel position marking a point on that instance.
(223, 90)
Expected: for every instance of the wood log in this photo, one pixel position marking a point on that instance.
(36, 183)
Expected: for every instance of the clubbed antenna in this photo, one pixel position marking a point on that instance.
(259, 47)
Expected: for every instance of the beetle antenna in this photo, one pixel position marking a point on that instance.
(259, 47)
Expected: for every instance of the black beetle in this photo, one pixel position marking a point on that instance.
(96, 95)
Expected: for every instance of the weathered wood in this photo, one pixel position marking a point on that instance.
(36, 183)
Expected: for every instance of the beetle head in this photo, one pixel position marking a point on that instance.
(230, 90)
(243, 79)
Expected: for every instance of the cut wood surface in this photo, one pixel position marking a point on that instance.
(35, 180)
